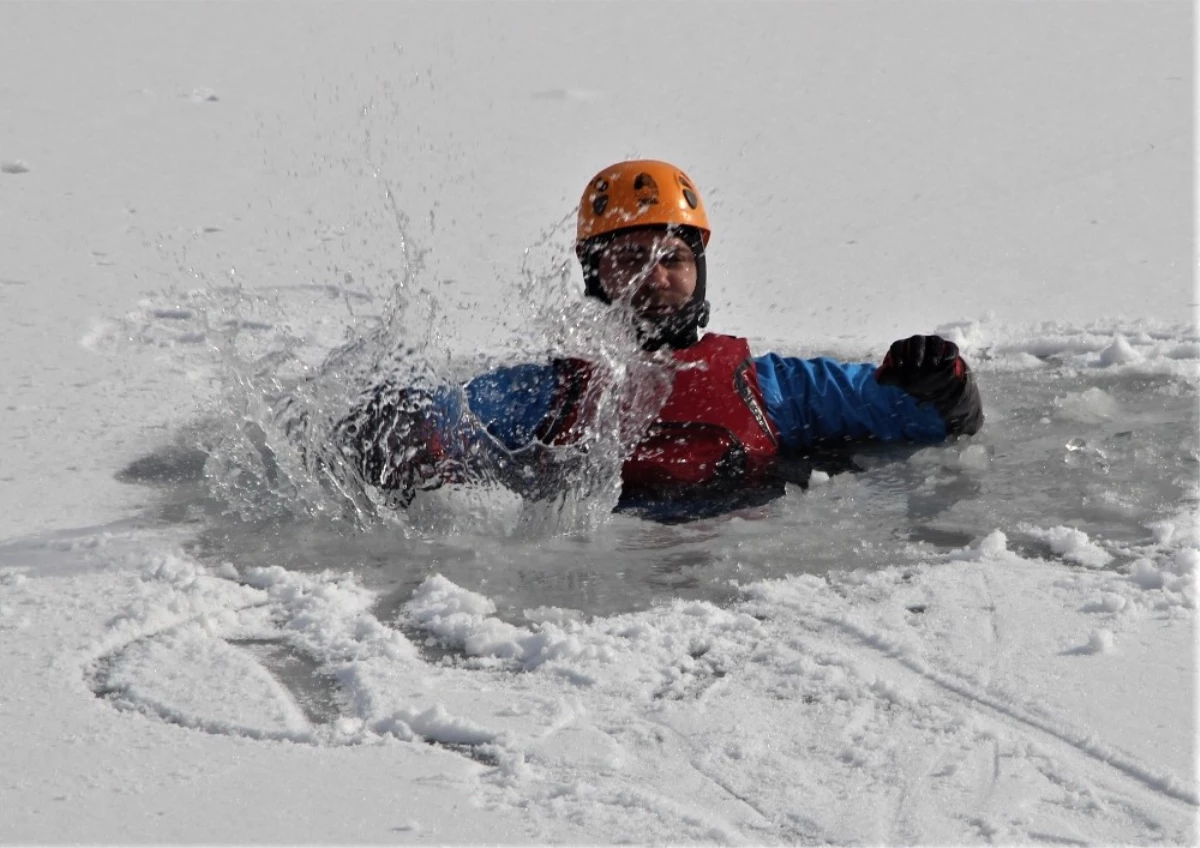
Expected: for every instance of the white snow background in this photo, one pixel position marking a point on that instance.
(991, 641)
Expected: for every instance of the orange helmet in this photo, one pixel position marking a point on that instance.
(636, 194)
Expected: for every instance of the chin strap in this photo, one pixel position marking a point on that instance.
(676, 332)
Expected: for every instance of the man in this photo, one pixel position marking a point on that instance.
(733, 427)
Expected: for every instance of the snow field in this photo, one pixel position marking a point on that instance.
(895, 691)
(197, 194)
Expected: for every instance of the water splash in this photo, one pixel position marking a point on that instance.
(274, 455)
(337, 290)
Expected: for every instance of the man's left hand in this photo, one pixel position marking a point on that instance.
(922, 366)
(930, 369)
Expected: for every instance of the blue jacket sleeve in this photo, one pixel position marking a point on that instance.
(406, 438)
(511, 402)
(821, 400)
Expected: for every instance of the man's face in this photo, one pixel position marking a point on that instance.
(654, 273)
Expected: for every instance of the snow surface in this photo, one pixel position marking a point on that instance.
(987, 642)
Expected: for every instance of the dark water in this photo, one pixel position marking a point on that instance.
(1105, 453)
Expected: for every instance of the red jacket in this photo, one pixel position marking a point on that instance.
(713, 429)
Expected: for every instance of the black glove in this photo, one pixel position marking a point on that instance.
(930, 369)
(393, 443)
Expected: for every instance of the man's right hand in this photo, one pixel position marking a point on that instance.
(393, 443)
